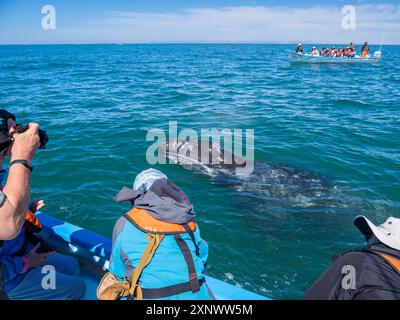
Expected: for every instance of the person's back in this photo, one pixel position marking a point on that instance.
(177, 261)
(365, 49)
(314, 52)
(369, 273)
(167, 267)
(299, 49)
(374, 278)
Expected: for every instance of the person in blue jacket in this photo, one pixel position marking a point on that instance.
(24, 275)
(162, 219)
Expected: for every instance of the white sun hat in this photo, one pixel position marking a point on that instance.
(387, 233)
(146, 178)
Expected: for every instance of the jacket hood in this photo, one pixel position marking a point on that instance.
(164, 201)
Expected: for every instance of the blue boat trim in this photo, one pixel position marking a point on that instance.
(92, 248)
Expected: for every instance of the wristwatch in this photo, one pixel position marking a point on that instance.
(26, 163)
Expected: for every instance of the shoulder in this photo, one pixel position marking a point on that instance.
(119, 225)
(118, 228)
(123, 227)
(354, 256)
(354, 261)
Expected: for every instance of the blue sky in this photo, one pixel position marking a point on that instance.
(140, 21)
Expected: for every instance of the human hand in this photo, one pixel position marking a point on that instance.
(36, 259)
(25, 144)
(36, 205)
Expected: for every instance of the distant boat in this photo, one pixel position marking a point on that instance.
(307, 58)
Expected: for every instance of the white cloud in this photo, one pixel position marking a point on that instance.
(244, 24)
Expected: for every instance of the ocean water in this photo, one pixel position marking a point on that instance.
(340, 122)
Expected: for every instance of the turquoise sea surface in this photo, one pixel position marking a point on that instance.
(97, 102)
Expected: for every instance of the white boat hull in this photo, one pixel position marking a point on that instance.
(306, 58)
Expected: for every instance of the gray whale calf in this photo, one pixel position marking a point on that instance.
(266, 181)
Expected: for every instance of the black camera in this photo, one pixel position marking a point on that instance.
(6, 137)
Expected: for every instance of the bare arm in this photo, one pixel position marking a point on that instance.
(17, 193)
(17, 188)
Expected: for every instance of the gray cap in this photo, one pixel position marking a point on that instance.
(146, 178)
(143, 182)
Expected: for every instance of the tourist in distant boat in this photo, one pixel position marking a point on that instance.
(327, 52)
(365, 50)
(351, 50)
(333, 52)
(299, 49)
(340, 52)
(352, 53)
(324, 52)
(368, 273)
(314, 52)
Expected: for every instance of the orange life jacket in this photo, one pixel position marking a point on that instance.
(394, 262)
(145, 222)
(32, 223)
(110, 288)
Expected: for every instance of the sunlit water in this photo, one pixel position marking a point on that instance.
(340, 123)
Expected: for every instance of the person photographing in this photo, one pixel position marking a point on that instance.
(23, 252)
(14, 198)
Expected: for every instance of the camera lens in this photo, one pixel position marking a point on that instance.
(44, 138)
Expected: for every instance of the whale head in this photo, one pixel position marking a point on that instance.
(200, 155)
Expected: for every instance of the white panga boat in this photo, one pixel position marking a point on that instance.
(307, 58)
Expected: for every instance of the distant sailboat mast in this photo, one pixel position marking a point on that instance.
(378, 54)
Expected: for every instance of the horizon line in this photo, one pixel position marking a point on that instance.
(186, 42)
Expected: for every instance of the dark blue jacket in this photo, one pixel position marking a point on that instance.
(374, 277)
